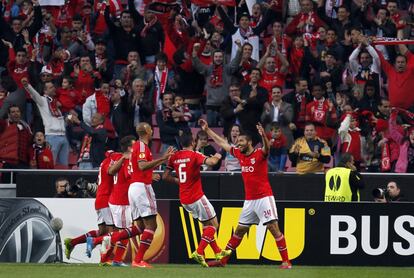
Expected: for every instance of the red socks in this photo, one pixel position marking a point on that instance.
(121, 247)
(125, 234)
(208, 238)
(119, 235)
(145, 242)
(233, 243)
(281, 245)
(82, 238)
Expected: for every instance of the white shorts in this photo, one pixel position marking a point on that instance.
(261, 210)
(201, 209)
(104, 216)
(142, 200)
(121, 216)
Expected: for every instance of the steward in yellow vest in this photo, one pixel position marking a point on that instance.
(342, 183)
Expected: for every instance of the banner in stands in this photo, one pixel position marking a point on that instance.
(316, 234)
(52, 2)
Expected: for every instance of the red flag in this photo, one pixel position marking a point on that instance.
(203, 3)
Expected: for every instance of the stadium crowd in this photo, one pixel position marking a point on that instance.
(323, 77)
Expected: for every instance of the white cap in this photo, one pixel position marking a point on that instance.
(46, 69)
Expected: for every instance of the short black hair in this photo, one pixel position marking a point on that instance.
(186, 140)
(126, 142)
(13, 106)
(161, 57)
(61, 179)
(345, 158)
(247, 135)
(310, 123)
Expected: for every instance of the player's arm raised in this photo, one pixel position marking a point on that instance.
(168, 177)
(216, 138)
(213, 160)
(265, 141)
(145, 165)
(114, 168)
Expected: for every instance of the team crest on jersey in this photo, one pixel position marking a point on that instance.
(141, 155)
(252, 160)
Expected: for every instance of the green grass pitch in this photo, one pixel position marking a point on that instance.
(194, 271)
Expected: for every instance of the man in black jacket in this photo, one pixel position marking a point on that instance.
(254, 97)
(92, 150)
(169, 129)
(152, 36)
(231, 107)
(298, 99)
(13, 34)
(125, 38)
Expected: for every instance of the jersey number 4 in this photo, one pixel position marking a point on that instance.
(182, 175)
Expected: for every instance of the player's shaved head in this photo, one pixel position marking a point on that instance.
(143, 129)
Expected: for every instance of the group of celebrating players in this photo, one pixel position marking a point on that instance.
(126, 206)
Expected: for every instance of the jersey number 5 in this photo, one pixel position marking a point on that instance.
(182, 175)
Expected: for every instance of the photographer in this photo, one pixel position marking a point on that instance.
(343, 182)
(392, 193)
(81, 189)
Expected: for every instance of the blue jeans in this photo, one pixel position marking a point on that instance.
(195, 115)
(60, 148)
(277, 163)
(85, 166)
(213, 118)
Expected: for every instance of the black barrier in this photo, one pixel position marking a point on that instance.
(223, 185)
(317, 233)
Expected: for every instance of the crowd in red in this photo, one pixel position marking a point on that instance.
(78, 76)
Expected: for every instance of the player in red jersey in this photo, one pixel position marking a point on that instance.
(187, 164)
(105, 222)
(118, 201)
(259, 205)
(141, 195)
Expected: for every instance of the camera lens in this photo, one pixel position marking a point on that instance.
(378, 193)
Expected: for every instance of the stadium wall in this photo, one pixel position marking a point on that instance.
(220, 185)
(317, 233)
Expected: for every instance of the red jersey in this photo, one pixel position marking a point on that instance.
(140, 152)
(271, 79)
(187, 165)
(69, 98)
(105, 184)
(317, 112)
(254, 173)
(122, 179)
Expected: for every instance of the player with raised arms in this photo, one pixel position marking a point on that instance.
(259, 205)
(186, 164)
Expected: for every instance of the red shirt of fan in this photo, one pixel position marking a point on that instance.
(254, 173)
(105, 183)
(140, 152)
(69, 98)
(187, 165)
(271, 79)
(122, 179)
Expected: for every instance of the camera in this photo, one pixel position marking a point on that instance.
(380, 192)
(82, 188)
